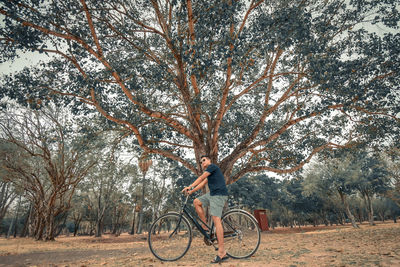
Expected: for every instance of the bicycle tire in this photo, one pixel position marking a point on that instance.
(242, 234)
(166, 242)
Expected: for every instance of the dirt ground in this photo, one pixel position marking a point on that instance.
(308, 246)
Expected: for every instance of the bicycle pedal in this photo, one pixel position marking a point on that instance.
(207, 241)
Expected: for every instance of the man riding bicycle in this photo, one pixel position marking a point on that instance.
(215, 199)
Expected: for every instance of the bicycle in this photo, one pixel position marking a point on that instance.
(170, 235)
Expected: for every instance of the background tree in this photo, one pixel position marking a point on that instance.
(305, 207)
(257, 85)
(160, 183)
(333, 177)
(383, 208)
(254, 192)
(103, 189)
(7, 192)
(134, 192)
(392, 158)
(78, 211)
(119, 214)
(144, 164)
(394, 209)
(49, 165)
(360, 209)
(372, 179)
(178, 177)
(163, 185)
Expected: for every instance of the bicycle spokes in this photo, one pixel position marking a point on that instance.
(241, 234)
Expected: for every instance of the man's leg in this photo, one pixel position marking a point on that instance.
(200, 211)
(220, 236)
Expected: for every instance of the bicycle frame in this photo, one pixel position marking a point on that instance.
(195, 220)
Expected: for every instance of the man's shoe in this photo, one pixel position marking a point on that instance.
(218, 259)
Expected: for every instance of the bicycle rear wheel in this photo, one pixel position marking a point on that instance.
(170, 237)
(241, 234)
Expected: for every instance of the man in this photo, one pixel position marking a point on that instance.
(216, 199)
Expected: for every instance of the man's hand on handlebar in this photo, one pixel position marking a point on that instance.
(187, 191)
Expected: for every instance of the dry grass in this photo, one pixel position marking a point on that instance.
(310, 246)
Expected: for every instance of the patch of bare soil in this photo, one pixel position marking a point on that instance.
(307, 246)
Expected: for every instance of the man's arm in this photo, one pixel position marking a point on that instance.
(199, 186)
(199, 183)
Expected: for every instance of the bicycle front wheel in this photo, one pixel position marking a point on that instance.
(170, 237)
(241, 234)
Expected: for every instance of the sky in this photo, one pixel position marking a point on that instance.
(25, 60)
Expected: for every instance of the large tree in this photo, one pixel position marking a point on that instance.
(258, 85)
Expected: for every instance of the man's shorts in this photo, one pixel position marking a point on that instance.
(216, 203)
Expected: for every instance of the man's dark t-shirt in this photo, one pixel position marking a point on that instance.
(216, 181)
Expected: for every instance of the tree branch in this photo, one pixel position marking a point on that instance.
(92, 29)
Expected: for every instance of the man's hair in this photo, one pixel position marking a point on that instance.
(204, 156)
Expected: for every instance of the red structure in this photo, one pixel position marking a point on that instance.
(262, 219)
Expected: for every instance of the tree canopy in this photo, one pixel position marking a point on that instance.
(257, 85)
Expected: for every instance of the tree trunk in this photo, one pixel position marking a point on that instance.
(368, 205)
(370, 211)
(348, 211)
(99, 228)
(59, 227)
(99, 221)
(39, 229)
(77, 223)
(154, 214)
(117, 223)
(16, 224)
(10, 228)
(25, 230)
(5, 199)
(359, 215)
(140, 226)
(133, 222)
(382, 215)
(139, 229)
(16, 217)
(49, 235)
